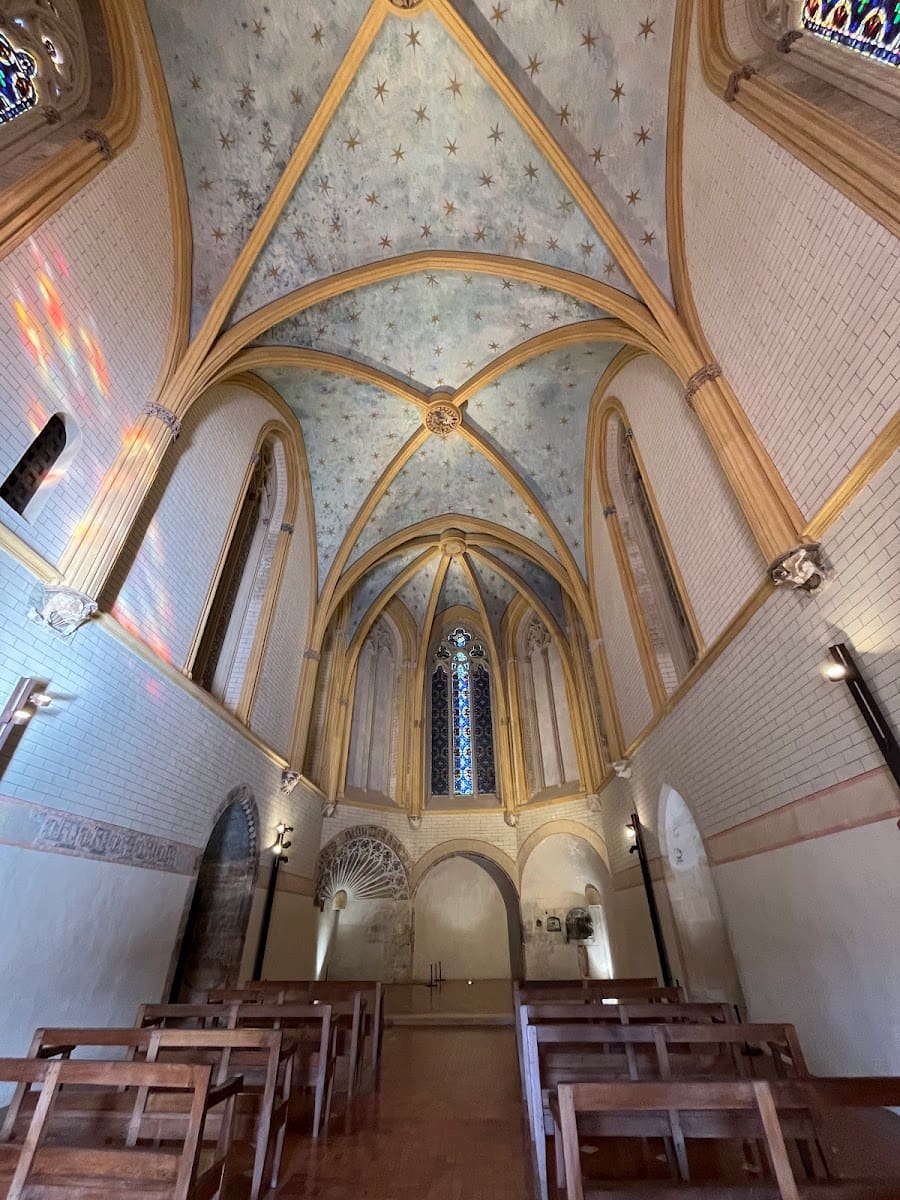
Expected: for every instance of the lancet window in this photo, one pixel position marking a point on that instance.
(462, 729)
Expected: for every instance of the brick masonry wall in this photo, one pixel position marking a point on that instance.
(85, 310)
(701, 516)
(803, 321)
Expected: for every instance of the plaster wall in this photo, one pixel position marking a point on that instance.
(803, 320)
(65, 962)
(291, 948)
(459, 919)
(373, 940)
(85, 311)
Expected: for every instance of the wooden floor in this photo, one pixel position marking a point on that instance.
(445, 1124)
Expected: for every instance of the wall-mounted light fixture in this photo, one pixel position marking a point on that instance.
(843, 668)
(281, 844)
(28, 697)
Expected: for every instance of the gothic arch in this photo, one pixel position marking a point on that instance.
(365, 861)
(468, 847)
(575, 828)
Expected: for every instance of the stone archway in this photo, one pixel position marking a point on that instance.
(213, 941)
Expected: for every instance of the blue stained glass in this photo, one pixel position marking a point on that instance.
(463, 779)
(440, 742)
(459, 637)
(484, 729)
(870, 28)
(17, 72)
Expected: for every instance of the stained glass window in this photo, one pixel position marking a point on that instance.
(34, 467)
(870, 28)
(462, 732)
(17, 71)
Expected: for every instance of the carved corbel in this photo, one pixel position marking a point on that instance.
(801, 568)
(62, 609)
(289, 780)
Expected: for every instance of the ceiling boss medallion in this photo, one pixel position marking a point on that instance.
(442, 418)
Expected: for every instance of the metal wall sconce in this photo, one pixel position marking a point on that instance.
(843, 668)
(282, 843)
(28, 698)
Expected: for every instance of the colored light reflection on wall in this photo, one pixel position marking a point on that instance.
(143, 605)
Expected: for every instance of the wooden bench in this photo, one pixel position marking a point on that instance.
(187, 1016)
(584, 1051)
(372, 990)
(721, 1111)
(61, 1159)
(264, 1058)
(311, 1027)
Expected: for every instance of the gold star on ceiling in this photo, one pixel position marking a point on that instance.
(324, 185)
(398, 154)
(647, 29)
(317, 35)
(266, 143)
(633, 197)
(371, 198)
(564, 115)
(496, 134)
(480, 234)
(380, 89)
(412, 37)
(426, 231)
(206, 184)
(507, 285)
(258, 29)
(431, 280)
(247, 92)
(552, 244)
(588, 40)
(531, 171)
(454, 86)
(642, 137)
(449, 208)
(617, 92)
(608, 267)
(598, 155)
(296, 97)
(498, 14)
(299, 233)
(587, 249)
(421, 114)
(226, 140)
(520, 238)
(486, 181)
(218, 234)
(450, 146)
(385, 243)
(534, 65)
(648, 238)
(195, 83)
(565, 205)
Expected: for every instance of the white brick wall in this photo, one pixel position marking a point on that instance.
(106, 259)
(122, 743)
(763, 727)
(713, 546)
(798, 291)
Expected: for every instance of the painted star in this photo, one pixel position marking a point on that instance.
(371, 198)
(412, 38)
(324, 185)
(296, 97)
(564, 115)
(206, 184)
(421, 114)
(647, 29)
(552, 244)
(299, 233)
(486, 181)
(451, 146)
(467, 280)
(426, 231)
(258, 29)
(317, 35)
(520, 238)
(438, 351)
(498, 14)
(218, 234)
(598, 155)
(398, 154)
(480, 234)
(469, 364)
(266, 143)
(617, 92)
(648, 238)
(311, 260)
(608, 267)
(247, 92)
(633, 197)
(380, 89)
(534, 65)
(587, 249)
(507, 285)
(226, 140)
(196, 85)
(431, 280)
(352, 141)
(554, 316)
(385, 243)
(454, 87)
(336, 226)
(588, 39)
(274, 272)
(565, 205)
(395, 288)
(531, 171)
(642, 137)
(494, 346)
(435, 319)
(496, 134)
(449, 208)
(478, 317)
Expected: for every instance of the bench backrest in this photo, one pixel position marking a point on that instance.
(188, 1016)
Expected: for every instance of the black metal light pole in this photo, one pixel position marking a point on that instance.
(845, 668)
(278, 857)
(651, 900)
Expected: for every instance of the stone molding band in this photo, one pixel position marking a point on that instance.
(168, 418)
(734, 81)
(706, 374)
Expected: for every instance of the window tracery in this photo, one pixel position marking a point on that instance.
(462, 730)
(45, 70)
(36, 466)
(870, 29)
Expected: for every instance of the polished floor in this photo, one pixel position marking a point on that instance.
(482, 1000)
(445, 1124)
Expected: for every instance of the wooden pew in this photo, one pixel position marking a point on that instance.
(304, 990)
(188, 1016)
(311, 1026)
(59, 1159)
(581, 1051)
(720, 1111)
(264, 1058)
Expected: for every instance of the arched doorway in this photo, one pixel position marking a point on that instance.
(564, 885)
(213, 940)
(707, 962)
(466, 916)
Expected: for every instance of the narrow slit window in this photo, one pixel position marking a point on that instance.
(35, 467)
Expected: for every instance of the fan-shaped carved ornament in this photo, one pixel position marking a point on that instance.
(364, 866)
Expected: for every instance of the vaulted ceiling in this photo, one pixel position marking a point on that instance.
(438, 187)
